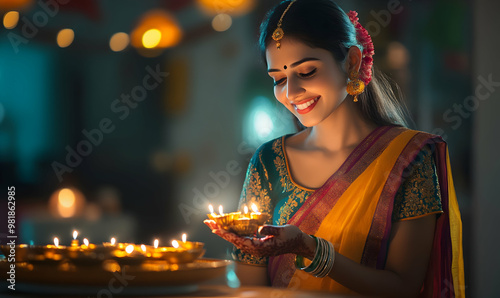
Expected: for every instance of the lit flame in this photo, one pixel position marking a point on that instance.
(113, 241)
(129, 249)
(86, 241)
(156, 243)
(75, 234)
(220, 210)
(211, 208)
(143, 247)
(66, 203)
(254, 208)
(56, 241)
(184, 237)
(245, 209)
(175, 243)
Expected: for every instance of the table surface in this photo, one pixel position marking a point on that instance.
(207, 291)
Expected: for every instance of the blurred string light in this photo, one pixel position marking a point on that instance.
(10, 19)
(119, 41)
(65, 38)
(156, 29)
(222, 22)
(231, 7)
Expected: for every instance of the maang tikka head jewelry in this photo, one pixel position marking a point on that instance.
(278, 33)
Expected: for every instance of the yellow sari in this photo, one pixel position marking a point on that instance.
(353, 211)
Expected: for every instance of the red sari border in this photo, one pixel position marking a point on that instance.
(375, 251)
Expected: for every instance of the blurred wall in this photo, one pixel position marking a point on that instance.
(486, 203)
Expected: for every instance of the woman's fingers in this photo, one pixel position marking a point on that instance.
(211, 224)
(270, 230)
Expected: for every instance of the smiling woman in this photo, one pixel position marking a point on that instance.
(368, 202)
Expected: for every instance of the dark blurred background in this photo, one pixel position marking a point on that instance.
(144, 112)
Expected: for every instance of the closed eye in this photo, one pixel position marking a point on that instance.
(302, 75)
(309, 74)
(279, 82)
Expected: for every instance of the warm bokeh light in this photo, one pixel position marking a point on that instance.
(65, 38)
(67, 202)
(15, 4)
(222, 22)
(175, 244)
(66, 198)
(143, 247)
(156, 243)
(119, 41)
(245, 209)
(232, 7)
(398, 56)
(113, 241)
(184, 237)
(254, 208)
(10, 19)
(156, 29)
(151, 38)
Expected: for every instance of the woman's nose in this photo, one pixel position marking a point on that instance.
(293, 89)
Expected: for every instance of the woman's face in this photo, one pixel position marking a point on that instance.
(307, 81)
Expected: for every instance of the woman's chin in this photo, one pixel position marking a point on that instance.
(308, 122)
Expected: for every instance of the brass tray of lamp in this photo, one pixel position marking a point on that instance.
(91, 254)
(146, 270)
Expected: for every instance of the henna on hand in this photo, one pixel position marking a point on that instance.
(277, 240)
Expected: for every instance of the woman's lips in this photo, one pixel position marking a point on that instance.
(306, 106)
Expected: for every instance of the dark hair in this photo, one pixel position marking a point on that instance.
(323, 24)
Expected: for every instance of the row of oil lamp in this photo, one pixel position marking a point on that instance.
(242, 223)
(125, 253)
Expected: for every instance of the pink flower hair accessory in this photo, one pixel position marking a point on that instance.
(365, 40)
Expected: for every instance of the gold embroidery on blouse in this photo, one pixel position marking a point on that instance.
(255, 193)
(292, 205)
(265, 171)
(281, 168)
(242, 257)
(298, 195)
(419, 194)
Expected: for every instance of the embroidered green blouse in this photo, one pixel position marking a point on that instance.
(269, 184)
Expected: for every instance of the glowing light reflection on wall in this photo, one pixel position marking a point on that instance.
(264, 121)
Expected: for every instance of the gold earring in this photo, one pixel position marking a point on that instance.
(355, 86)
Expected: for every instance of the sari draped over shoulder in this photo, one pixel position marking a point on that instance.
(354, 208)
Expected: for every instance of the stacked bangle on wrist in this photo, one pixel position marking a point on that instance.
(324, 257)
